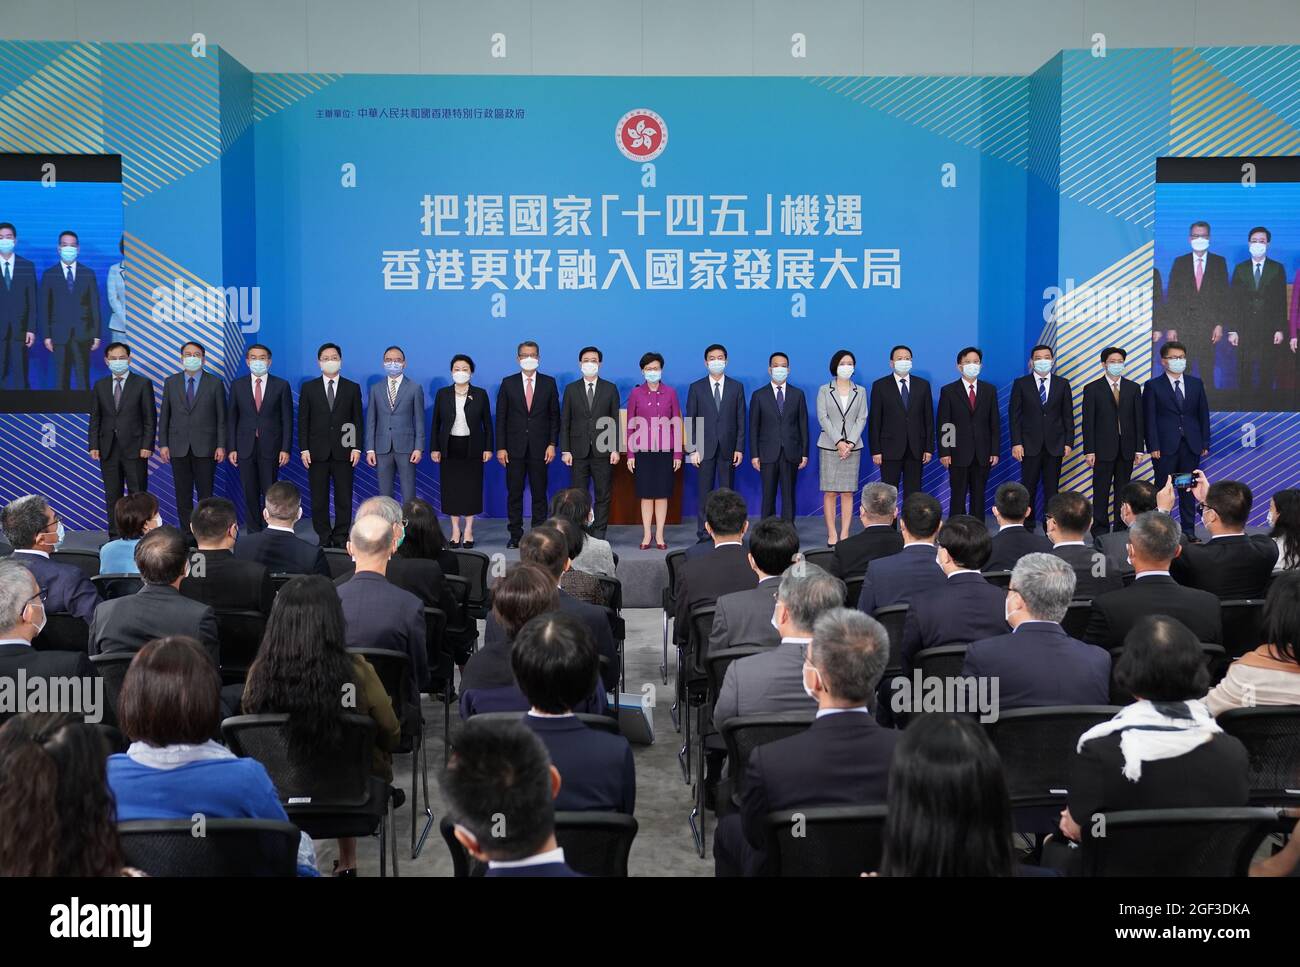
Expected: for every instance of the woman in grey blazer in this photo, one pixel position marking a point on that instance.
(842, 413)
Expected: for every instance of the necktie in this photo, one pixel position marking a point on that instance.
(972, 397)
(1114, 391)
(392, 395)
(1258, 266)
(1200, 271)
(189, 390)
(68, 274)
(904, 392)
(117, 392)
(528, 394)
(591, 396)
(329, 393)
(1178, 393)
(8, 277)
(780, 399)
(717, 396)
(257, 395)
(1042, 390)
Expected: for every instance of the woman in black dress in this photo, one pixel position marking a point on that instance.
(462, 443)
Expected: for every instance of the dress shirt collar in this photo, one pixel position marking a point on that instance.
(32, 550)
(547, 715)
(253, 378)
(795, 641)
(1005, 527)
(929, 544)
(1215, 537)
(717, 381)
(962, 570)
(541, 859)
(1039, 625)
(15, 641)
(823, 712)
(1174, 378)
(7, 258)
(396, 381)
(778, 386)
(1149, 574)
(326, 380)
(728, 544)
(63, 269)
(1069, 544)
(277, 527)
(970, 384)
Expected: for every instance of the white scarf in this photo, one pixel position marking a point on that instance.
(1152, 731)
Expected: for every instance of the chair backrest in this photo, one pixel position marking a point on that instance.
(63, 632)
(1037, 746)
(745, 733)
(674, 560)
(112, 667)
(823, 557)
(117, 585)
(601, 723)
(942, 662)
(1075, 622)
(893, 617)
(239, 634)
(1242, 625)
(1215, 661)
(85, 559)
(339, 776)
(825, 841)
(853, 590)
(596, 843)
(441, 664)
(612, 589)
(1001, 578)
(1176, 842)
(1271, 735)
(701, 628)
(394, 671)
(279, 579)
(474, 568)
(717, 663)
(227, 847)
(339, 561)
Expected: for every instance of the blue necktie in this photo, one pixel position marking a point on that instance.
(780, 399)
(68, 273)
(189, 391)
(1178, 394)
(902, 389)
(1042, 390)
(8, 277)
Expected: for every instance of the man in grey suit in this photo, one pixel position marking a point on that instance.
(395, 425)
(159, 609)
(773, 681)
(745, 617)
(192, 429)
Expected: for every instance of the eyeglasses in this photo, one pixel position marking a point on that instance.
(58, 519)
(42, 594)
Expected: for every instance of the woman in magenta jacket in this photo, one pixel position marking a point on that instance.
(654, 445)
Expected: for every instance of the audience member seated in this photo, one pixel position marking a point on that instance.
(965, 607)
(1038, 663)
(705, 577)
(773, 681)
(277, 546)
(556, 667)
(158, 610)
(59, 818)
(1284, 528)
(377, 613)
(34, 530)
(596, 557)
(949, 810)
(424, 537)
(217, 577)
(1269, 675)
(1014, 539)
(912, 571)
(502, 769)
(842, 759)
(1165, 751)
(1232, 564)
(170, 709)
(1069, 517)
(1153, 542)
(301, 670)
(488, 682)
(1135, 497)
(135, 515)
(745, 617)
(22, 616)
(879, 536)
(579, 584)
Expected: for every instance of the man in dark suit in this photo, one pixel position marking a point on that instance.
(745, 617)
(589, 434)
(33, 529)
(329, 436)
(1013, 540)
(158, 609)
(1038, 663)
(715, 418)
(378, 614)
(1177, 420)
(900, 423)
(277, 547)
(913, 570)
(879, 536)
(1198, 304)
(970, 434)
(1041, 424)
(1068, 515)
(121, 429)
(554, 661)
(192, 429)
(18, 314)
(1153, 543)
(69, 313)
(1137, 497)
(217, 577)
(778, 435)
(965, 607)
(1232, 565)
(701, 580)
(395, 425)
(842, 759)
(260, 431)
(1114, 435)
(1259, 316)
(528, 428)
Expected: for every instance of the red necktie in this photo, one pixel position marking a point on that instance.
(528, 393)
(972, 399)
(1200, 271)
(257, 395)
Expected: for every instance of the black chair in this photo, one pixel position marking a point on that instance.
(1176, 842)
(112, 586)
(85, 559)
(595, 843)
(893, 617)
(674, 560)
(461, 621)
(1271, 735)
(825, 841)
(239, 635)
(63, 632)
(944, 661)
(745, 733)
(339, 561)
(601, 723)
(226, 847)
(1242, 626)
(474, 568)
(1001, 578)
(612, 589)
(1075, 621)
(6, 549)
(853, 590)
(328, 795)
(112, 666)
(279, 579)
(823, 557)
(442, 669)
(1216, 661)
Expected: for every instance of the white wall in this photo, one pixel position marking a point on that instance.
(656, 36)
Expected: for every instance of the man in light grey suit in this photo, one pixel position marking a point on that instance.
(773, 681)
(745, 617)
(395, 425)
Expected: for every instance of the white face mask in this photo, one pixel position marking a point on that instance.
(460, 377)
(157, 521)
(1007, 610)
(971, 370)
(902, 366)
(1272, 521)
(590, 369)
(807, 691)
(717, 366)
(44, 616)
(528, 363)
(330, 367)
(844, 372)
(1200, 244)
(1257, 249)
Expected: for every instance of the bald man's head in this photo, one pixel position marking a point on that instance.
(371, 542)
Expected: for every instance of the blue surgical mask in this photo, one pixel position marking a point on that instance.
(717, 366)
(1177, 366)
(6, 246)
(780, 374)
(1115, 369)
(118, 366)
(192, 363)
(258, 367)
(902, 366)
(652, 375)
(68, 253)
(394, 369)
(971, 370)
(59, 534)
(1042, 366)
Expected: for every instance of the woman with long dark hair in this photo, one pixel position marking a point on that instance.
(301, 669)
(424, 538)
(1284, 528)
(949, 810)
